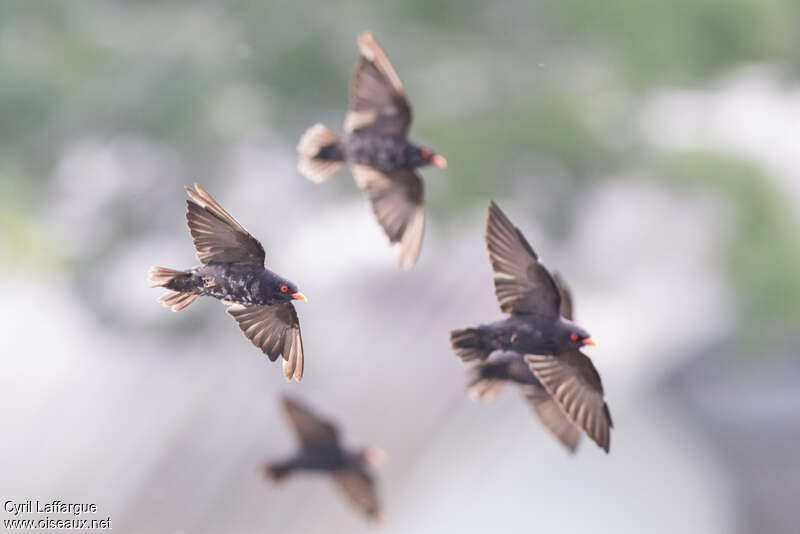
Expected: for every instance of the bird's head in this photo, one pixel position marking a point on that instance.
(284, 291)
(575, 337)
(421, 156)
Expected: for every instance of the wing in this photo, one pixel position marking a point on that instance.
(217, 237)
(566, 296)
(359, 487)
(551, 416)
(522, 284)
(397, 201)
(311, 431)
(276, 331)
(378, 101)
(573, 383)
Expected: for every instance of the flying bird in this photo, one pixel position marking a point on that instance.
(538, 330)
(321, 452)
(233, 271)
(377, 148)
(491, 375)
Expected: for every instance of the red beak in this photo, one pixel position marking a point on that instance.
(299, 296)
(439, 161)
(590, 341)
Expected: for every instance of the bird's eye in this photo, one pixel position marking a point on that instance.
(284, 288)
(426, 153)
(573, 336)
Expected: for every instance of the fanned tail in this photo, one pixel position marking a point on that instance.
(320, 152)
(180, 292)
(471, 344)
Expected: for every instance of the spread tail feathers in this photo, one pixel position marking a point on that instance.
(471, 344)
(172, 279)
(320, 153)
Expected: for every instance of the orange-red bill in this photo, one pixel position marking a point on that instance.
(299, 296)
(590, 341)
(439, 161)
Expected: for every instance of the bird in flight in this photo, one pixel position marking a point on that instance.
(321, 452)
(233, 271)
(489, 377)
(539, 330)
(376, 146)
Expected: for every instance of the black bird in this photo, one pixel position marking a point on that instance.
(536, 329)
(490, 376)
(233, 272)
(376, 146)
(320, 451)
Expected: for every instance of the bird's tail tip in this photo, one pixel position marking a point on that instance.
(161, 276)
(172, 298)
(320, 153)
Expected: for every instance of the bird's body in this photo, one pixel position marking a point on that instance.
(566, 392)
(523, 333)
(376, 147)
(386, 153)
(321, 452)
(233, 271)
(231, 283)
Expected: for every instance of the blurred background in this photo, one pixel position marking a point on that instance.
(648, 150)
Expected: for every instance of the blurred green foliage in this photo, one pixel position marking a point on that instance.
(763, 253)
(498, 88)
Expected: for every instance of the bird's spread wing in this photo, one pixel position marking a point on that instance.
(566, 296)
(359, 487)
(311, 430)
(378, 101)
(572, 381)
(217, 237)
(522, 284)
(551, 416)
(275, 330)
(397, 201)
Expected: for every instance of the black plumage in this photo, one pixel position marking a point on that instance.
(377, 148)
(321, 452)
(491, 375)
(233, 271)
(541, 331)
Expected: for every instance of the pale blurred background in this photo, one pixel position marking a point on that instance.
(649, 150)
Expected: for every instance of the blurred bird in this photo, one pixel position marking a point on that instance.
(538, 329)
(490, 376)
(320, 451)
(233, 272)
(376, 146)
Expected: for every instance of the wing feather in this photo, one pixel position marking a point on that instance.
(275, 330)
(217, 236)
(378, 100)
(572, 381)
(522, 284)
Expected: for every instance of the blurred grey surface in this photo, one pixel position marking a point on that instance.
(648, 152)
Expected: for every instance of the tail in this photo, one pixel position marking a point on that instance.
(471, 343)
(180, 290)
(320, 152)
(278, 471)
